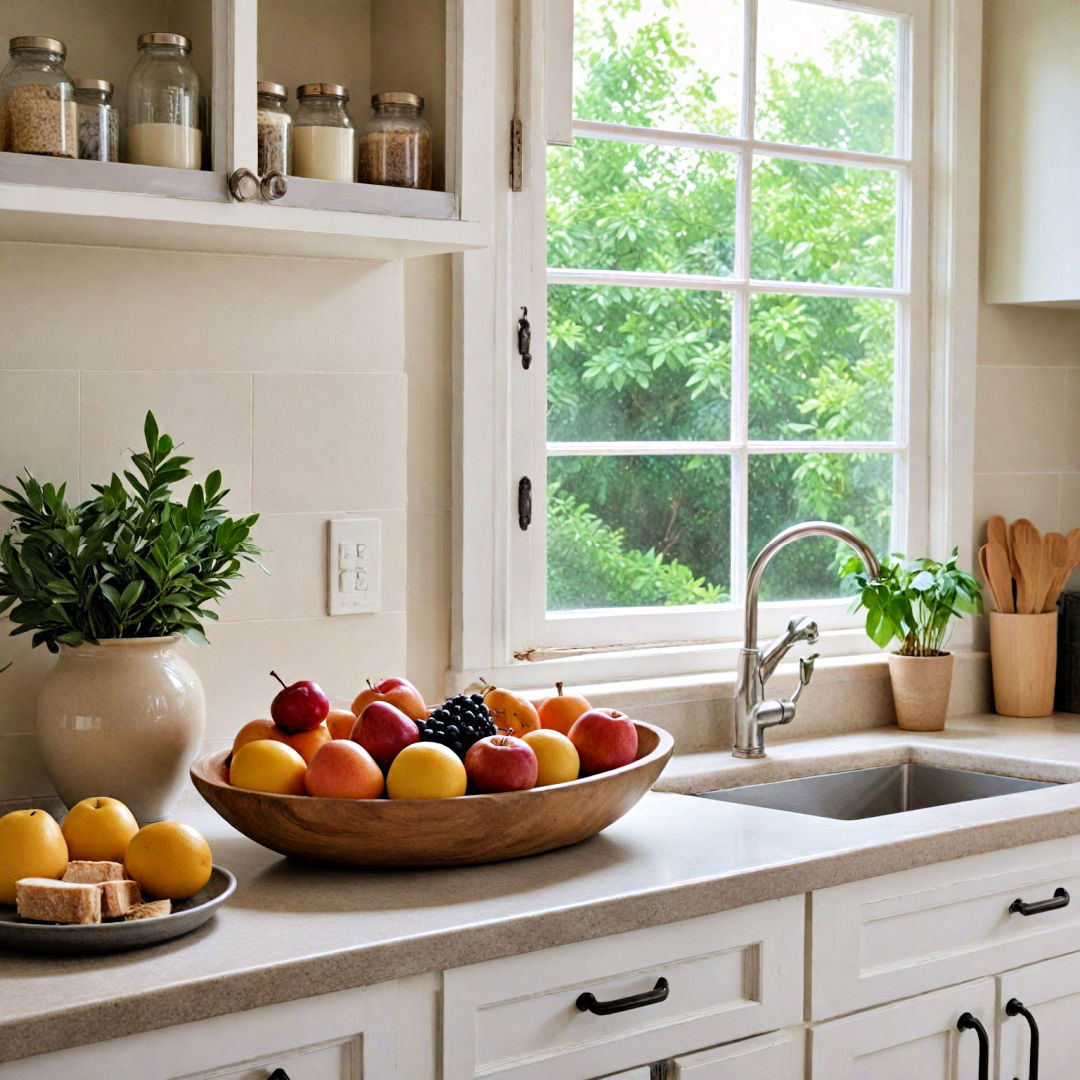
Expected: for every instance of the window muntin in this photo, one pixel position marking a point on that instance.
(810, 246)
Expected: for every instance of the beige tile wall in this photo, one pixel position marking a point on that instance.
(288, 374)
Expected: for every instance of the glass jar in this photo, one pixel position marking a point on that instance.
(37, 100)
(163, 104)
(324, 139)
(99, 130)
(395, 144)
(275, 129)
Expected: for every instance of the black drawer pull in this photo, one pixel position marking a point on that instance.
(278, 1074)
(1037, 907)
(588, 1002)
(1015, 1007)
(967, 1022)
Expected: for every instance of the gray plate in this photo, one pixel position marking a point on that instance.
(187, 915)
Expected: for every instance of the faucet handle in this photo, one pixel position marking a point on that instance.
(802, 628)
(806, 670)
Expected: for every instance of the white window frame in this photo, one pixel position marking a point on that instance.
(500, 570)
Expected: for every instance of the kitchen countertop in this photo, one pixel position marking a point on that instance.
(293, 930)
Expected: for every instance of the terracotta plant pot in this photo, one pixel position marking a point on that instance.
(920, 687)
(1023, 657)
(124, 719)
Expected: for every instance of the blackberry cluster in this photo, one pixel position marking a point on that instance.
(458, 723)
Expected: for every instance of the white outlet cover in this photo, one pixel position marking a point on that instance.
(353, 566)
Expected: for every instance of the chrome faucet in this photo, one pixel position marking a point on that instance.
(753, 714)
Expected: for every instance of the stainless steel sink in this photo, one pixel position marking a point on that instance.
(866, 793)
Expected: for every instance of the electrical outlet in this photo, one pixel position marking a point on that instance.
(353, 566)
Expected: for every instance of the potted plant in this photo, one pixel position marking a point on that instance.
(914, 604)
(112, 585)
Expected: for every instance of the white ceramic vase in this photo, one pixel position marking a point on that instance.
(920, 686)
(125, 719)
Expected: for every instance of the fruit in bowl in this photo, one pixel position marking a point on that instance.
(305, 743)
(343, 769)
(299, 707)
(396, 691)
(604, 739)
(459, 722)
(561, 710)
(512, 713)
(556, 757)
(383, 730)
(426, 770)
(501, 763)
(268, 765)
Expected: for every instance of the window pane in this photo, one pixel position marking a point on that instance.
(855, 490)
(659, 63)
(630, 363)
(826, 77)
(627, 206)
(638, 531)
(822, 223)
(821, 368)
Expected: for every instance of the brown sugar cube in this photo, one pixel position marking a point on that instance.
(45, 900)
(118, 898)
(149, 910)
(92, 873)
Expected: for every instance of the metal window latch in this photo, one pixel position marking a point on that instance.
(524, 342)
(524, 503)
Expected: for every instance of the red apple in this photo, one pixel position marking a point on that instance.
(501, 763)
(605, 739)
(383, 730)
(343, 770)
(398, 692)
(299, 707)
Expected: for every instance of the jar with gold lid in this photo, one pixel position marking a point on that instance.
(324, 139)
(395, 143)
(37, 100)
(163, 107)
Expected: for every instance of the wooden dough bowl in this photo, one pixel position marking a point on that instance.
(434, 832)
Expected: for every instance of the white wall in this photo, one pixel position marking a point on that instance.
(319, 387)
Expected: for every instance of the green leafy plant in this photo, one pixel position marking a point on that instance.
(130, 562)
(914, 602)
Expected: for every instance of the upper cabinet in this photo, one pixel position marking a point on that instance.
(1032, 152)
(441, 50)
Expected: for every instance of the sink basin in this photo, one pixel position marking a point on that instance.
(866, 793)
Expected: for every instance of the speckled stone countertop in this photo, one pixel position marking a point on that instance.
(292, 930)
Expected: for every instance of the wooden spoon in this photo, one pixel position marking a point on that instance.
(1057, 548)
(997, 532)
(1026, 544)
(1074, 546)
(995, 567)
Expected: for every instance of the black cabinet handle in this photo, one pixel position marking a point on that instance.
(588, 1002)
(967, 1022)
(1015, 1007)
(278, 1074)
(1037, 907)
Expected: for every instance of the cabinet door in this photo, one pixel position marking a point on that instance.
(917, 1038)
(778, 1056)
(1050, 991)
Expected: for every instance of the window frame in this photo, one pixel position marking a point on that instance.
(499, 569)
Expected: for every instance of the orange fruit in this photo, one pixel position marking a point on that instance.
(556, 756)
(305, 743)
(426, 770)
(268, 765)
(339, 723)
(99, 829)
(560, 712)
(169, 860)
(511, 713)
(31, 845)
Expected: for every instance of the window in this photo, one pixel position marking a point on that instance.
(736, 319)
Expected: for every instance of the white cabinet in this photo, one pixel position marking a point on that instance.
(386, 1032)
(681, 987)
(1050, 992)
(911, 1040)
(443, 49)
(1032, 152)
(776, 1056)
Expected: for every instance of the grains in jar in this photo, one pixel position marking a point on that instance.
(37, 108)
(395, 144)
(99, 129)
(274, 129)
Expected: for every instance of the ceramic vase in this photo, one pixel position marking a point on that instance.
(125, 719)
(920, 686)
(1023, 659)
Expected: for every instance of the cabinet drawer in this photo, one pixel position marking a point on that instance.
(778, 1056)
(891, 937)
(384, 1032)
(729, 975)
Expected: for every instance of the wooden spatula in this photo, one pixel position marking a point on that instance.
(1057, 549)
(995, 568)
(1026, 545)
(997, 532)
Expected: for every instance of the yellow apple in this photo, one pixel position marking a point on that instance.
(31, 845)
(556, 756)
(99, 829)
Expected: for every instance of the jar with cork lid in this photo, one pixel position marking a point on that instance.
(395, 143)
(37, 100)
(324, 139)
(163, 108)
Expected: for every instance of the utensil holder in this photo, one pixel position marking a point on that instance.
(1023, 656)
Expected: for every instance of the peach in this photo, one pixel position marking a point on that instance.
(560, 712)
(339, 722)
(342, 769)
